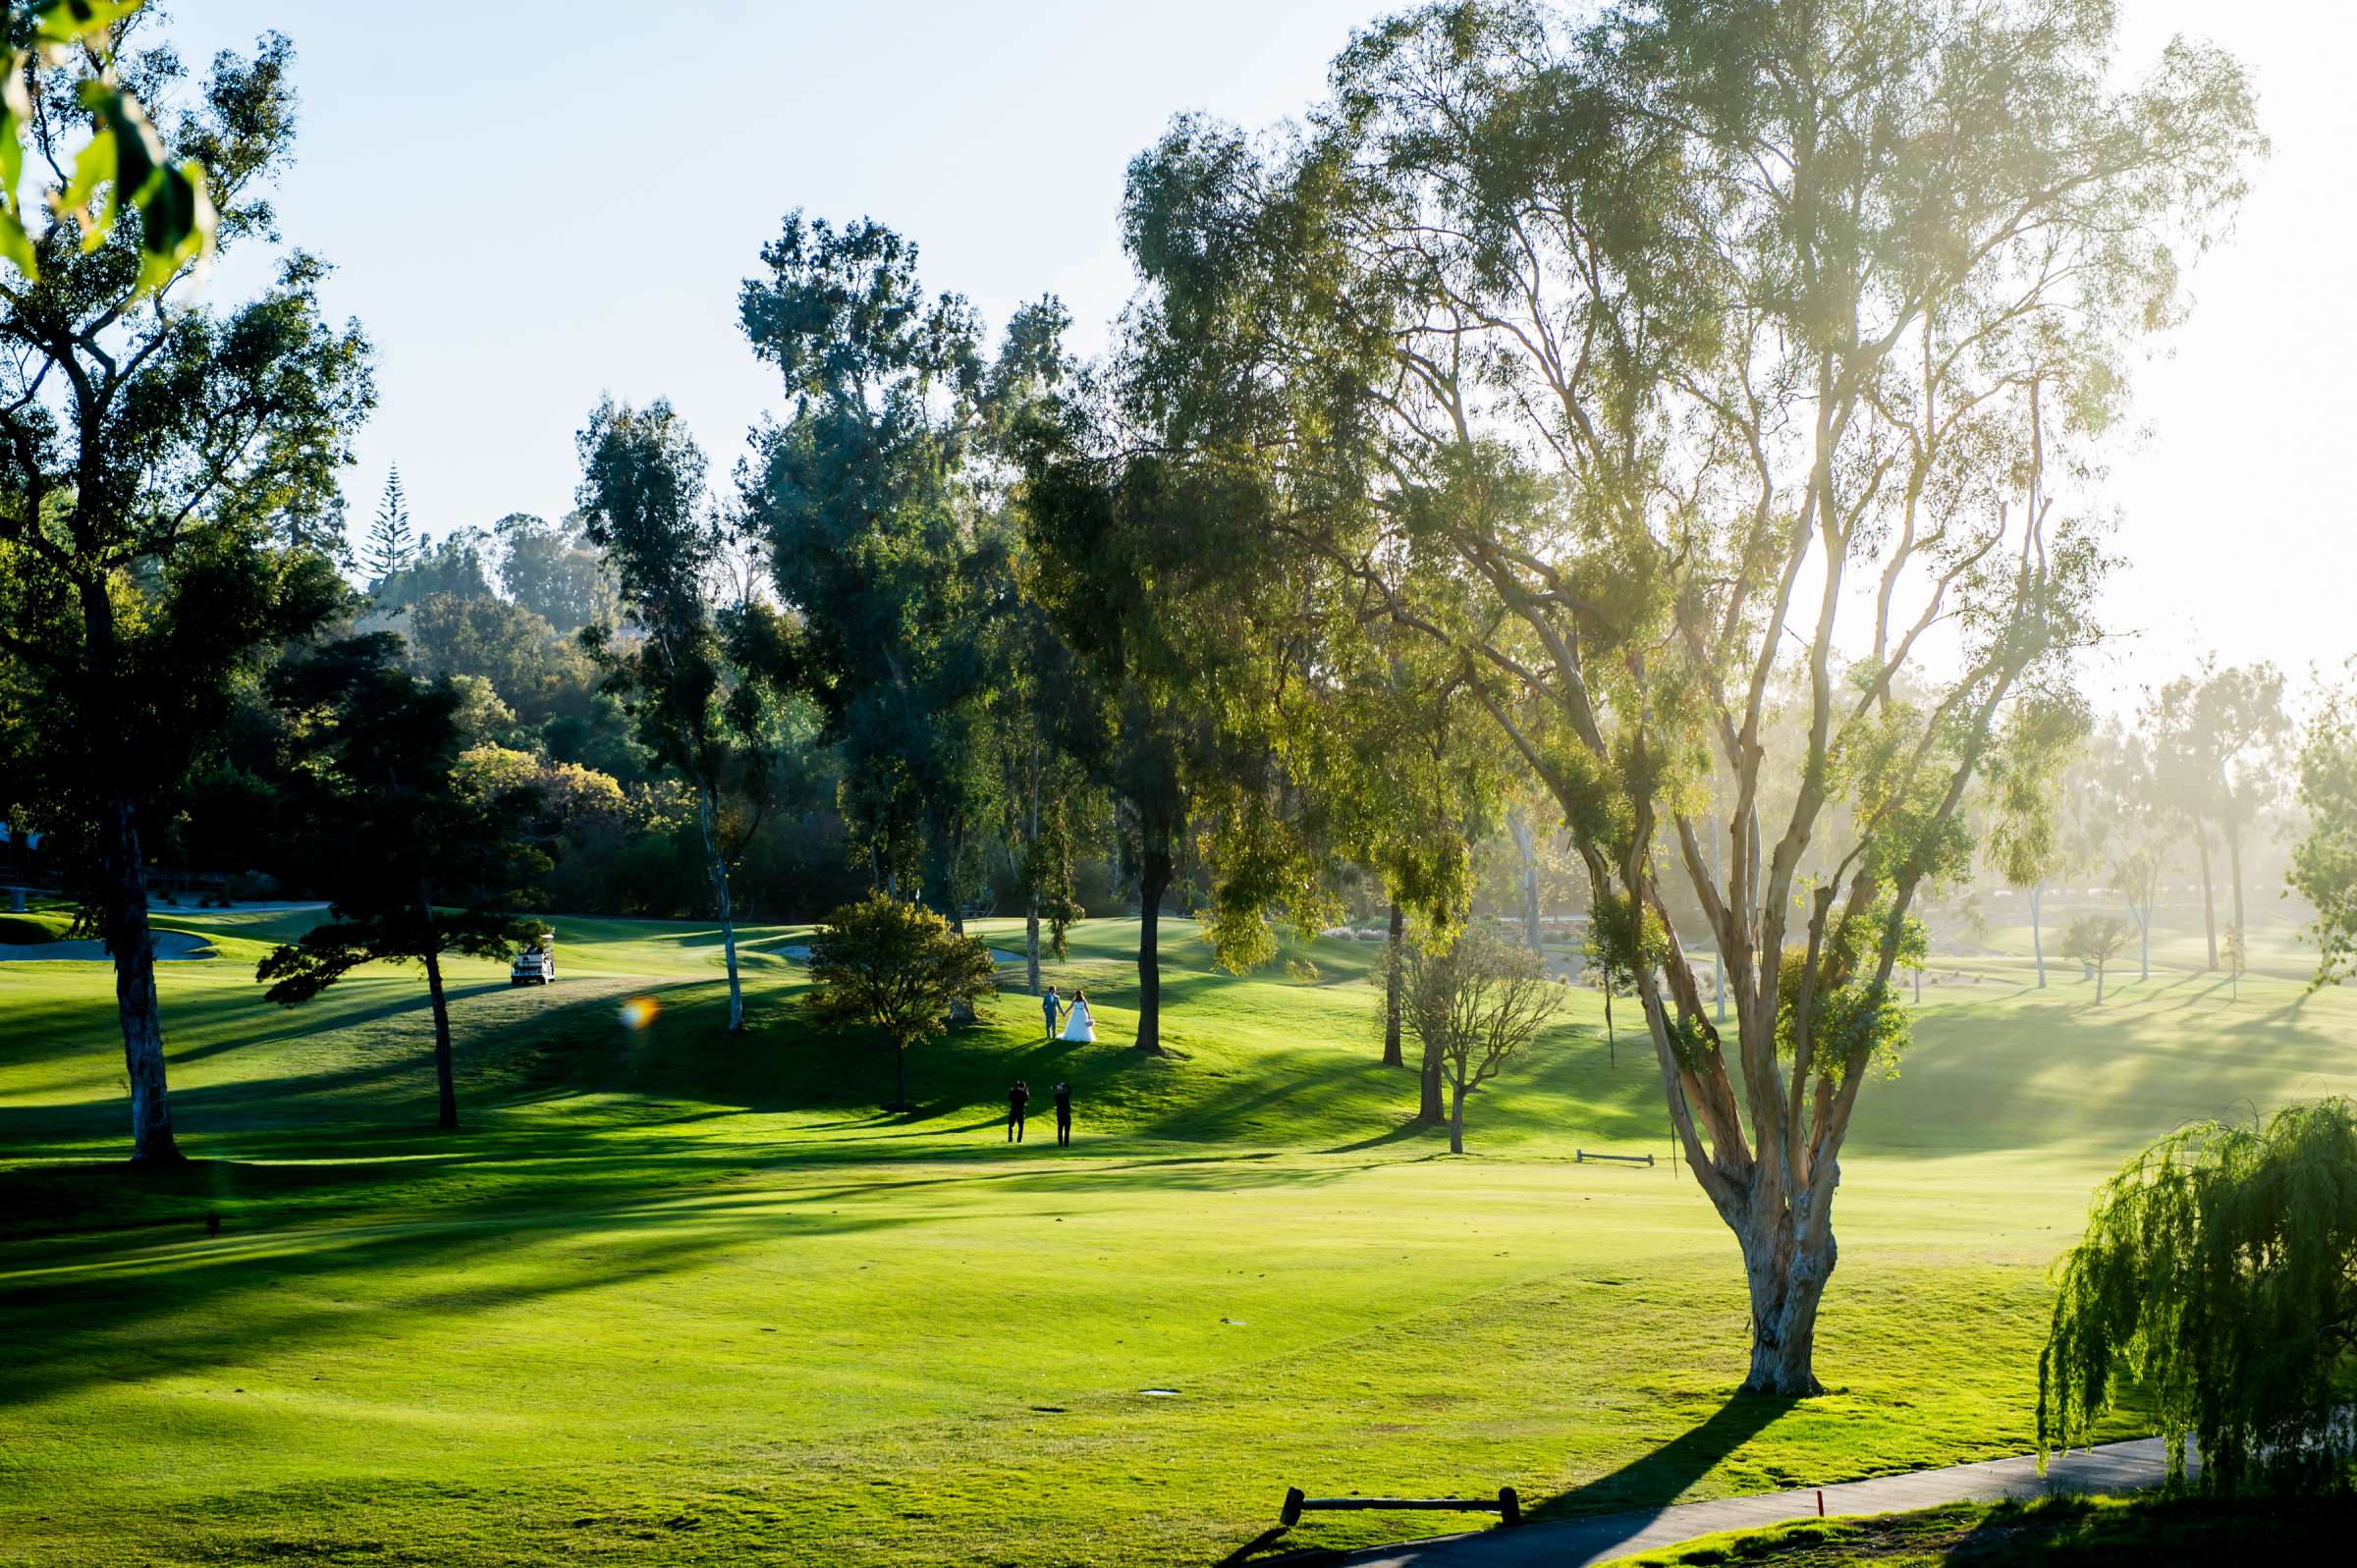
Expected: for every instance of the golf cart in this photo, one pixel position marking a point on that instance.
(535, 966)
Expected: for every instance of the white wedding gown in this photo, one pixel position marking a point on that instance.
(1077, 1025)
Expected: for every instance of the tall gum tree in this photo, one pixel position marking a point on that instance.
(168, 497)
(2219, 737)
(2034, 748)
(878, 493)
(685, 676)
(1649, 363)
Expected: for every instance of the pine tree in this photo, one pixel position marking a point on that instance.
(392, 546)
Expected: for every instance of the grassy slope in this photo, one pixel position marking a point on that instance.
(676, 1297)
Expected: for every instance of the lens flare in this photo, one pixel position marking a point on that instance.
(639, 1013)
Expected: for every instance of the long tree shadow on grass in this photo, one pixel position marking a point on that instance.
(1613, 1507)
(181, 1306)
(1655, 1479)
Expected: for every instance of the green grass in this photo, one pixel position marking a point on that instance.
(2052, 1532)
(673, 1296)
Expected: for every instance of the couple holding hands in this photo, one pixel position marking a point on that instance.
(1080, 1023)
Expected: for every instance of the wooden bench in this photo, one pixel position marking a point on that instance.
(1506, 1504)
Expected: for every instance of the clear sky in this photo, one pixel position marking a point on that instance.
(536, 203)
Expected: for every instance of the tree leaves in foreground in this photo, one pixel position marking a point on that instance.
(2220, 1274)
(897, 968)
(125, 164)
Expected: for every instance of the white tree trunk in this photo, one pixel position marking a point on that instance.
(1031, 943)
(707, 810)
(1517, 822)
(2037, 936)
(132, 948)
(1031, 914)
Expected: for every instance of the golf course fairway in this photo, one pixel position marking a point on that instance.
(675, 1296)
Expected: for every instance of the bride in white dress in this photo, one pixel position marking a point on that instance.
(1078, 1024)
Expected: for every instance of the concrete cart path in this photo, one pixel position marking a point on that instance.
(1571, 1543)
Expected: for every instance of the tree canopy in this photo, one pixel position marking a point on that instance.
(169, 505)
(1646, 364)
(420, 864)
(890, 965)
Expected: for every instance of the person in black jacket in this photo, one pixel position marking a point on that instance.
(1064, 1115)
(1017, 1099)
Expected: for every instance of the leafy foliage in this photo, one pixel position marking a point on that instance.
(1855, 1018)
(1476, 1004)
(419, 860)
(2324, 864)
(2095, 940)
(897, 968)
(2220, 1273)
(169, 505)
(123, 155)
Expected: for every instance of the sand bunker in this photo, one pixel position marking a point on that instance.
(170, 947)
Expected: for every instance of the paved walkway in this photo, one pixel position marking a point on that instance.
(1571, 1543)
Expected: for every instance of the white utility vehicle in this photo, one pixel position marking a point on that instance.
(536, 965)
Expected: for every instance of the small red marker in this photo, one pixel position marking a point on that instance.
(1821, 1502)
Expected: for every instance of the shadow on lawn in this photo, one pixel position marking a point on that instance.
(1640, 1488)
(1655, 1480)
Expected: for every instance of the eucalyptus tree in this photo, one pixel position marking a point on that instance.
(1526, 852)
(2035, 746)
(693, 675)
(2323, 863)
(2218, 734)
(880, 497)
(1646, 364)
(1106, 530)
(2138, 830)
(168, 495)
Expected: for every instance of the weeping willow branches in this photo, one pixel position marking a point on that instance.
(2220, 1274)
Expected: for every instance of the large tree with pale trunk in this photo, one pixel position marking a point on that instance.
(168, 471)
(1657, 362)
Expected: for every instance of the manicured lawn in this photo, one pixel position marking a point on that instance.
(671, 1296)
